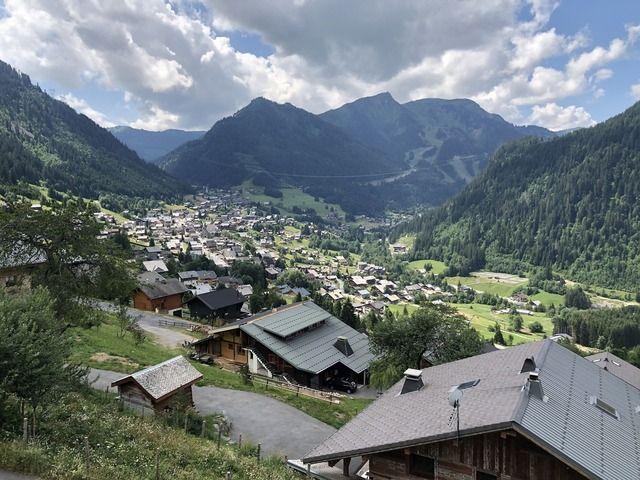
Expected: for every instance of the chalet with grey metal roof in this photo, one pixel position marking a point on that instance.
(300, 341)
(532, 412)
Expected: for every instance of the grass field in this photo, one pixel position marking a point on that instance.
(481, 317)
(407, 241)
(437, 267)
(103, 347)
(291, 197)
(489, 282)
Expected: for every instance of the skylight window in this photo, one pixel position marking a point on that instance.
(605, 407)
(470, 384)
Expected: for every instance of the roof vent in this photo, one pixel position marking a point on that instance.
(342, 344)
(412, 381)
(529, 365)
(534, 386)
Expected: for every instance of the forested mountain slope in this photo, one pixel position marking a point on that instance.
(426, 151)
(571, 203)
(149, 145)
(44, 139)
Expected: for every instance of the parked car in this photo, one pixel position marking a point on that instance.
(202, 358)
(344, 384)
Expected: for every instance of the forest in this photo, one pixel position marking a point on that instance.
(568, 203)
(43, 139)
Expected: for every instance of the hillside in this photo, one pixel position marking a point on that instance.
(43, 139)
(150, 146)
(570, 203)
(275, 145)
(367, 156)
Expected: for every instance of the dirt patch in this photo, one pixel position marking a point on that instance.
(102, 357)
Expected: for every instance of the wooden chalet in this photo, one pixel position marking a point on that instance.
(158, 294)
(532, 412)
(224, 303)
(301, 341)
(160, 388)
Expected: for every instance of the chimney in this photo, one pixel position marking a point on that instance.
(529, 365)
(534, 387)
(342, 344)
(412, 381)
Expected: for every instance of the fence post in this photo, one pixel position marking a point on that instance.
(219, 435)
(157, 464)
(240, 441)
(25, 429)
(298, 391)
(258, 454)
(86, 452)
(186, 419)
(266, 386)
(204, 422)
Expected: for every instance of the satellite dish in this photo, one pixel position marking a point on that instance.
(455, 395)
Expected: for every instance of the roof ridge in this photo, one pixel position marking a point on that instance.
(524, 397)
(156, 366)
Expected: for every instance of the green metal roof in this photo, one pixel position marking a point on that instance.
(311, 351)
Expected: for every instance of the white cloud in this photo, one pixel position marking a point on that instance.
(81, 106)
(635, 91)
(555, 117)
(176, 65)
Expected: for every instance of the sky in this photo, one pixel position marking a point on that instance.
(159, 64)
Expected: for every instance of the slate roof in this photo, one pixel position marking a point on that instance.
(615, 365)
(197, 275)
(310, 351)
(154, 285)
(565, 423)
(164, 378)
(217, 299)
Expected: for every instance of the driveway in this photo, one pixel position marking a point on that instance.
(151, 323)
(280, 428)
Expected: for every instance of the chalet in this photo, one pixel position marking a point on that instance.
(16, 268)
(225, 303)
(158, 294)
(301, 341)
(532, 412)
(160, 388)
(155, 266)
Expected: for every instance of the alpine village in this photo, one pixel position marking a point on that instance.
(228, 252)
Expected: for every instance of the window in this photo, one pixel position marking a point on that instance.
(230, 346)
(485, 476)
(423, 467)
(604, 406)
(470, 384)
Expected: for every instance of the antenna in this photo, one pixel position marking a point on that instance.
(455, 396)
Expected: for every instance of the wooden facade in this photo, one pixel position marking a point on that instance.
(492, 456)
(137, 399)
(162, 304)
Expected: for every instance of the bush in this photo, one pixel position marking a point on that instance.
(536, 327)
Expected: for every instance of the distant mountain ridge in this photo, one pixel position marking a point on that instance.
(368, 155)
(571, 203)
(151, 145)
(43, 139)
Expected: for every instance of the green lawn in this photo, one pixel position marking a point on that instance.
(481, 317)
(437, 267)
(488, 283)
(102, 347)
(291, 197)
(407, 241)
(549, 298)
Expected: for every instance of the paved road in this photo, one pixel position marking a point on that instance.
(280, 428)
(150, 322)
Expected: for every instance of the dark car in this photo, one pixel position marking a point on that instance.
(344, 384)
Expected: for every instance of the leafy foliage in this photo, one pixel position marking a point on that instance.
(605, 328)
(438, 330)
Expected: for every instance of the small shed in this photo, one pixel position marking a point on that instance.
(223, 303)
(159, 388)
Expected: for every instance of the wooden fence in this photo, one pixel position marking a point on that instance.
(330, 397)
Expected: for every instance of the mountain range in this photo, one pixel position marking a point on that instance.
(150, 145)
(367, 156)
(43, 139)
(571, 203)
